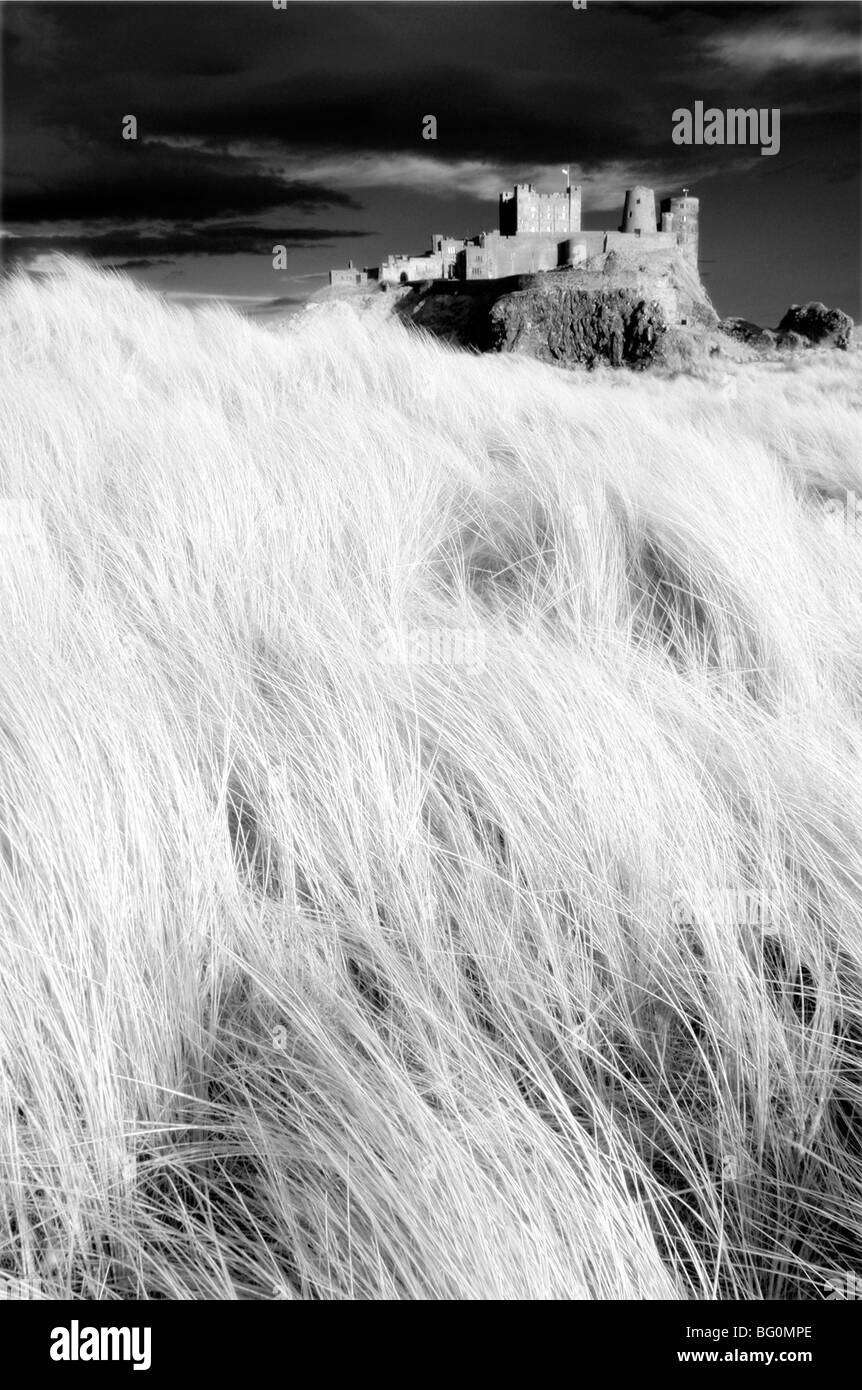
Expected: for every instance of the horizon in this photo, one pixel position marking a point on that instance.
(302, 127)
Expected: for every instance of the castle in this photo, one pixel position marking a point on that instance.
(542, 231)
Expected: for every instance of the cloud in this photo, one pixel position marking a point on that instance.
(602, 185)
(432, 175)
(132, 180)
(796, 44)
(357, 76)
(134, 248)
(422, 173)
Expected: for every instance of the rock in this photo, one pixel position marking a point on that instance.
(741, 330)
(458, 312)
(616, 309)
(744, 331)
(817, 324)
(790, 341)
(578, 326)
(802, 326)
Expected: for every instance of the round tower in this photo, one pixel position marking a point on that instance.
(639, 211)
(685, 212)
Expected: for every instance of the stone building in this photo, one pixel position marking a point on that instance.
(680, 216)
(400, 270)
(524, 212)
(495, 255)
(541, 232)
(350, 276)
(639, 217)
(448, 249)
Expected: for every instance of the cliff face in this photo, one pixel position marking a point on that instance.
(458, 313)
(616, 310)
(579, 326)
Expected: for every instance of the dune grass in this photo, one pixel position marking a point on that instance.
(347, 957)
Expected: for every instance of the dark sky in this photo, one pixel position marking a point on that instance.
(303, 127)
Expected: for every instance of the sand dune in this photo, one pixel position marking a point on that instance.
(330, 975)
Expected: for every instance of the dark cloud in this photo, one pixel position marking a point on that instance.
(135, 180)
(134, 247)
(504, 80)
(478, 117)
(216, 66)
(513, 81)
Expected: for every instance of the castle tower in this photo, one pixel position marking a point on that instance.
(524, 211)
(682, 215)
(639, 212)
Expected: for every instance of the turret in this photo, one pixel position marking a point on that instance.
(639, 211)
(682, 214)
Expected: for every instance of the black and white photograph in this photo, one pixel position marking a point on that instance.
(430, 663)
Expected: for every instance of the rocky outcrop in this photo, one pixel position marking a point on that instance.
(578, 326)
(616, 310)
(803, 326)
(787, 341)
(743, 331)
(819, 325)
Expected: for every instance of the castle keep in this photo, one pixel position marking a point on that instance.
(542, 231)
(526, 212)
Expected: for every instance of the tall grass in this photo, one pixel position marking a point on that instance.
(337, 966)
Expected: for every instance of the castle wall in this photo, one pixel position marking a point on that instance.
(636, 247)
(497, 256)
(447, 248)
(584, 244)
(412, 268)
(475, 263)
